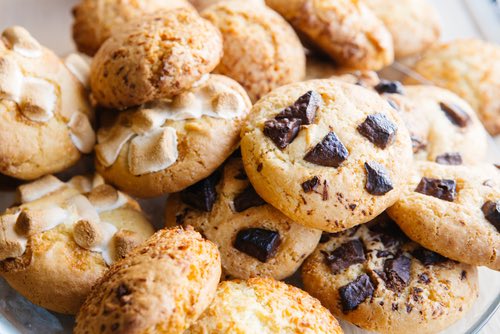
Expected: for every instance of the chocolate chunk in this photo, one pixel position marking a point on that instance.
(378, 129)
(311, 184)
(455, 114)
(346, 255)
(330, 152)
(304, 108)
(202, 195)
(491, 212)
(397, 271)
(378, 181)
(258, 243)
(418, 144)
(428, 257)
(352, 206)
(259, 167)
(356, 292)
(325, 237)
(497, 166)
(383, 253)
(440, 188)
(283, 131)
(423, 278)
(387, 231)
(391, 87)
(463, 275)
(325, 195)
(246, 199)
(452, 158)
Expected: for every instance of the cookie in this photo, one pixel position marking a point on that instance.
(156, 56)
(413, 24)
(163, 286)
(94, 21)
(376, 278)
(346, 30)
(202, 4)
(454, 211)
(254, 238)
(328, 154)
(167, 145)
(261, 50)
(471, 69)
(62, 238)
(263, 305)
(45, 117)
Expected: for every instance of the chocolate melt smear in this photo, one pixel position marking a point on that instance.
(202, 195)
(378, 181)
(452, 158)
(246, 199)
(259, 243)
(355, 293)
(378, 129)
(330, 152)
(344, 256)
(443, 189)
(303, 109)
(282, 132)
(491, 212)
(391, 87)
(455, 114)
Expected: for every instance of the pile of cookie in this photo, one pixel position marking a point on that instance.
(375, 192)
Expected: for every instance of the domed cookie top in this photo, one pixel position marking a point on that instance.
(45, 116)
(96, 20)
(346, 30)
(453, 210)
(63, 236)
(373, 276)
(156, 56)
(161, 287)
(202, 4)
(329, 155)
(168, 145)
(263, 305)
(261, 50)
(254, 238)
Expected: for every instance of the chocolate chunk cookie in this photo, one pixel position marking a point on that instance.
(375, 277)
(328, 154)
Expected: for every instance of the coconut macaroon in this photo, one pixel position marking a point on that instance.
(45, 116)
(161, 287)
(62, 238)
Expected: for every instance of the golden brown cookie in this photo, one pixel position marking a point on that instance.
(471, 69)
(45, 116)
(96, 20)
(202, 4)
(161, 287)
(347, 30)
(261, 50)
(62, 237)
(156, 56)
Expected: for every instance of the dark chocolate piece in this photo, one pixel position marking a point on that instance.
(344, 256)
(387, 231)
(330, 152)
(378, 129)
(355, 293)
(248, 198)
(202, 195)
(378, 181)
(452, 158)
(324, 195)
(311, 184)
(391, 87)
(304, 108)
(491, 212)
(440, 188)
(259, 243)
(428, 257)
(424, 278)
(455, 114)
(397, 271)
(282, 132)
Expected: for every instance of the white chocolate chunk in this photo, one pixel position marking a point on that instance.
(82, 134)
(31, 222)
(96, 237)
(153, 151)
(79, 65)
(106, 198)
(20, 41)
(82, 208)
(107, 151)
(11, 79)
(32, 191)
(11, 244)
(38, 99)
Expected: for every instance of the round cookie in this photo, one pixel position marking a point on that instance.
(168, 145)
(254, 238)
(202, 4)
(261, 50)
(328, 154)
(266, 306)
(96, 20)
(471, 69)
(413, 24)
(62, 238)
(376, 278)
(346, 30)
(45, 117)
(161, 287)
(155, 56)
(454, 211)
